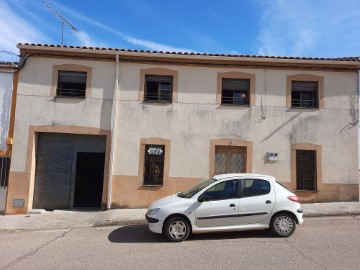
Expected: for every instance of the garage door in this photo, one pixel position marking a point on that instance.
(56, 166)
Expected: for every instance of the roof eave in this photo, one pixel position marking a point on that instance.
(184, 56)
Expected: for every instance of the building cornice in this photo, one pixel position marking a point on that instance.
(182, 58)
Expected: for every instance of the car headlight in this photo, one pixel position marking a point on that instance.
(153, 211)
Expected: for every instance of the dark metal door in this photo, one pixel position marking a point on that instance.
(53, 171)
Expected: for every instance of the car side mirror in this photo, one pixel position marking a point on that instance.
(203, 198)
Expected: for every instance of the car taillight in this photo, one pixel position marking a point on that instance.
(293, 198)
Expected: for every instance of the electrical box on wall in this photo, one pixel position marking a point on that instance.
(272, 156)
(19, 203)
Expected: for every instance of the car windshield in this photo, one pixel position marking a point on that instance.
(196, 188)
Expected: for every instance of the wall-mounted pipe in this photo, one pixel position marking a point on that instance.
(113, 131)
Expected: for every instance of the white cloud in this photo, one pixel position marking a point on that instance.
(147, 44)
(14, 29)
(83, 38)
(309, 28)
(286, 29)
(152, 45)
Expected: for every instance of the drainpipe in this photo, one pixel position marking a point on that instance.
(113, 132)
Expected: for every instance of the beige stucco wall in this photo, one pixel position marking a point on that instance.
(36, 106)
(38, 111)
(195, 120)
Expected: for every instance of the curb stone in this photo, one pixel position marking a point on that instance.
(119, 223)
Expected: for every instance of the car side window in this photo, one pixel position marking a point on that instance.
(255, 187)
(223, 191)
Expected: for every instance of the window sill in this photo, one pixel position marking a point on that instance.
(157, 102)
(70, 97)
(302, 109)
(245, 106)
(307, 191)
(152, 185)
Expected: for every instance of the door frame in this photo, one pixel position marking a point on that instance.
(74, 130)
(231, 142)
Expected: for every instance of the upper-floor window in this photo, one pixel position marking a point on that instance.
(235, 88)
(304, 94)
(235, 91)
(71, 83)
(158, 88)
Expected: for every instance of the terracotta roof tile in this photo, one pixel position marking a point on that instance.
(356, 59)
(12, 64)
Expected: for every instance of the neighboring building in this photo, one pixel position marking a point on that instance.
(8, 82)
(121, 128)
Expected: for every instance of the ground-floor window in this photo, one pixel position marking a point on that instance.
(154, 164)
(230, 159)
(4, 171)
(305, 169)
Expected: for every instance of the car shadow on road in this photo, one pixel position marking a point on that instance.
(141, 234)
(135, 234)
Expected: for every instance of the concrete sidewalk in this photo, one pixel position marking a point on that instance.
(65, 219)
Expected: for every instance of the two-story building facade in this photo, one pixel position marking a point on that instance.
(118, 128)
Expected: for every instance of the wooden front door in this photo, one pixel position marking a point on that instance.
(230, 159)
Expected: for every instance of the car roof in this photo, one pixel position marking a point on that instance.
(243, 175)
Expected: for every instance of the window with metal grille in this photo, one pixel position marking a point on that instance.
(235, 91)
(71, 83)
(229, 159)
(158, 88)
(4, 171)
(154, 165)
(304, 94)
(305, 169)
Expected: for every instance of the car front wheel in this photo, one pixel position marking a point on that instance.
(176, 229)
(283, 225)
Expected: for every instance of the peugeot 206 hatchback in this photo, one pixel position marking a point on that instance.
(228, 202)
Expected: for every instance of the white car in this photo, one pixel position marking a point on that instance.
(228, 202)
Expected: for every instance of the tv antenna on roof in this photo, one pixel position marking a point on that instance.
(63, 21)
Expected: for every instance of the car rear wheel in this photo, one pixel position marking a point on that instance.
(176, 229)
(283, 225)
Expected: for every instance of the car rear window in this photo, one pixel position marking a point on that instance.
(255, 187)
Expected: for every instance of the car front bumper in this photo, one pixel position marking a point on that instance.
(151, 219)
(155, 225)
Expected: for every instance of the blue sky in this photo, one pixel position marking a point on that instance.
(314, 28)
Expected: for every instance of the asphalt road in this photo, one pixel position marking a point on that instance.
(320, 243)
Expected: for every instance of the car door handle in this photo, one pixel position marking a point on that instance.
(268, 201)
(232, 205)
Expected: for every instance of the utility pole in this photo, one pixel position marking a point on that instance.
(63, 21)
